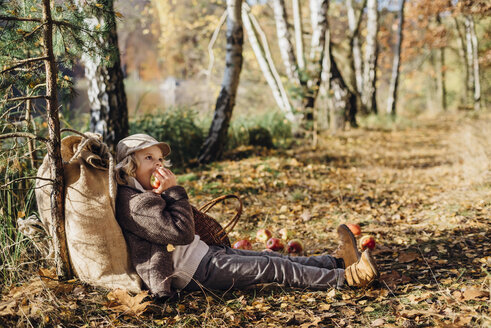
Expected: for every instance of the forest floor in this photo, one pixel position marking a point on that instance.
(423, 190)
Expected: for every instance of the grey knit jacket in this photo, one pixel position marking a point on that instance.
(150, 222)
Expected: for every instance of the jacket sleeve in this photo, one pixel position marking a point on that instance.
(160, 219)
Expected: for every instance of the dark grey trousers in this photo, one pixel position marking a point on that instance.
(224, 267)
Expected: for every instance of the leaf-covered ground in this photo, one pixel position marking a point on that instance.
(423, 191)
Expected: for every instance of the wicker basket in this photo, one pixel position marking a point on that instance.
(209, 230)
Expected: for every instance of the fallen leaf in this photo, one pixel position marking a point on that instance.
(474, 293)
(378, 322)
(408, 257)
(121, 301)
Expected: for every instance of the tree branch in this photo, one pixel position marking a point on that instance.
(23, 62)
(22, 135)
(20, 19)
(24, 178)
(26, 98)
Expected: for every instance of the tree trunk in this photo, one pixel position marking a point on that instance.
(107, 97)
(470, 56)
(263, 56)
(343, 101)
(463, 56)
(442, 88)
(54, 150)
(371, 56)
(316, 56)
(214, 144)
(297, 23)
(355, 53)
(284, 41)
(473, 61)
(394, 81)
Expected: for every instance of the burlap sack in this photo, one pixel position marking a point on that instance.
(97, 248)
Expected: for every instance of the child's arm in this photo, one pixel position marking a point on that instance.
(166, 219)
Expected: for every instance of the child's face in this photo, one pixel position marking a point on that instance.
(147, 160)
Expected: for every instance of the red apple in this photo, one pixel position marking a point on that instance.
(355, 228)
(285, 234)
(275, 244)
(154, 182)
(263, 235)
(367, 242)
(294, 246)
(243, 244)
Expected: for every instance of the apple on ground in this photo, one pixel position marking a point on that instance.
(355, 228)
(263, 235)
(275, 244)
(243, 244)
(285, 234)
(294, 246)
(367, 242)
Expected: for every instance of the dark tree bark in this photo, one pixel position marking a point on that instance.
(107, 97)
(54, 150)
(394, 81)
(215, 143)
(343, 101)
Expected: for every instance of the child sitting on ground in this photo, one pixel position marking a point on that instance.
(158, 226)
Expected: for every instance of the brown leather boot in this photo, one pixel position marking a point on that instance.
(347, 249)
(362, 272)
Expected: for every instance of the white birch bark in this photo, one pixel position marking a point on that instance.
(354, 24)
(394, 81)
(107, 97)
(473, 60)
(267, 67)
(370, 65)
(284, 41)
(297, 23)
(463, 56)
(214, 144)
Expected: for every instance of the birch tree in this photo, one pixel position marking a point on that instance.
(107, 97)
(284, 41)
(441, 70)
(394, 81)
(297, 23)
(265, 60)
(319, 29)
(342, 100)
(356, 62)
(473, 81)
(371, 56)
(214, 144)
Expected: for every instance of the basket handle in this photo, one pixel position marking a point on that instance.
(208, 206)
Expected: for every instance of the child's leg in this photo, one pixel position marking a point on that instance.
(319, 261)
(224, 268)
